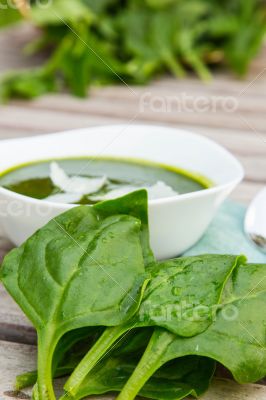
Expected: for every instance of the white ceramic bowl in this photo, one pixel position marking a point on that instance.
(176, 223)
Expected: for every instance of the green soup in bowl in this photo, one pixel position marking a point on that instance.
(116, 176)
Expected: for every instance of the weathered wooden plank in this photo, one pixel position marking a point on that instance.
(22, 119)
(23, 129)
(246, 191)
(16, 359)
(42, 121)
(146, 110)
(255, 168)
(180, 94)
(14, 326)
(223, 83)
(12, 43)
(247, 144)
(223, 389)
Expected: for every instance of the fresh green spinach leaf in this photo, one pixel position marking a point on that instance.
(107, 41)
(71, 273)
(182, 296)
(176, 380)
(235, 338)
(9, 14)
(70, 350)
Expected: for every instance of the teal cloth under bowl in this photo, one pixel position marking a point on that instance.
(226, 235)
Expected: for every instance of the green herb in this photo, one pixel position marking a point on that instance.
(107, 41)
(235, 338)
(75, 344)
(175, 380)
(71, 348)
(8, 13)
(71, 273)
(181, 378)
(182, 297)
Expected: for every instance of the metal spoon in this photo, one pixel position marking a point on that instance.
(255, 221)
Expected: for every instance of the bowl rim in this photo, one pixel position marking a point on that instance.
(167, 200)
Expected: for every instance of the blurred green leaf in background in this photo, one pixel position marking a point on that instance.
(99, 42)
(8, 13)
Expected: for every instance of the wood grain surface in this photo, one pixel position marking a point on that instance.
(227, 110)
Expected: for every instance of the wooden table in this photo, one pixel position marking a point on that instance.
(229, 111)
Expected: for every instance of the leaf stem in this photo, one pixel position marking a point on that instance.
(103, 344)
(173, 64)
(47, 343)
(151, 360)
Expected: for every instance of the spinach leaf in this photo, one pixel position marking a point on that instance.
(75, 344)
(235, 338)
(9, 14)
(182, 297)
(176, 380)
(70, 350)
(107, 41)
(184, 293)
(71, 273)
